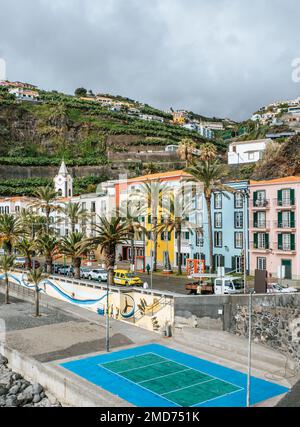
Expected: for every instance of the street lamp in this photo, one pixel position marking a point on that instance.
(249, 350)
(246, 194)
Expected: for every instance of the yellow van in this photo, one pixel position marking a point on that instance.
(126, 278)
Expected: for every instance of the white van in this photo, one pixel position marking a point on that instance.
(228, 285)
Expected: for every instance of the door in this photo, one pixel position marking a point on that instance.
(288, 268)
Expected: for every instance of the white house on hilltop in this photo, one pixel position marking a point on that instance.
(246, 151)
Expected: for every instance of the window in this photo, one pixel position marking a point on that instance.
(286, 242)
(261, 241)
(286, 219)
(261, 219)
(260, 198)
(238, 200)
(238, 240)
(286, 197)
(93, 207)
(218, 200)
(184, 257)
(261, 263)
(238, 220)
(219, 261)
(199, 239)
(218, 239)
(17, 208)
(218, 220)
(251, 156)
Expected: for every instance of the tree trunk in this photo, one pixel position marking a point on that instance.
(37, 301)
(210, 233)
(48, 219)
(132, 251)
(77, 264)
(155, 244)
(6, 289)
(49, 265)
(179, 250)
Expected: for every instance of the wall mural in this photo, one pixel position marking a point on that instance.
(129, 306)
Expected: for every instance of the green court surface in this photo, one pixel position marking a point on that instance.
(170, 380)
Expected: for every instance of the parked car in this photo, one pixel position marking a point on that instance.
(274, 288)
(57, 267)
(84, 272)
(97, 274)
(126, 278)
(66, 270)
(20, 261)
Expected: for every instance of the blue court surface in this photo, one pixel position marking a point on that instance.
(157, 376)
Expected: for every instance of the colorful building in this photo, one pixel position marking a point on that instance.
(274, 217)
(166, 240)
(230, 229)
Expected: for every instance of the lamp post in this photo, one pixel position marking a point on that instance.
(249, 350)
(246, 196)
(107, 311)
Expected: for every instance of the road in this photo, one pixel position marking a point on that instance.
(169, 283)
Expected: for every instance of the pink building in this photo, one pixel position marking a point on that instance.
(274, 220)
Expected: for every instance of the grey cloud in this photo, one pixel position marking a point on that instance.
(220, 58)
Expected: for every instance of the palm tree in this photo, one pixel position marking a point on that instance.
(26, 247)
(47, 245)
(45, 200)
(131, 216)
(10, 231)
(151, 194)
(75, 213)
(210, 174)
(6, 264)
(110, 233)
(36, 276)
(177, 220)
(186, 149)
(31, 222)
(208, 152)
(75, 246)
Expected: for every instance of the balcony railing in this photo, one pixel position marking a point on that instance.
(259, 246)
(284, 203)
(260, 225)
(285, 224)
(260, 203)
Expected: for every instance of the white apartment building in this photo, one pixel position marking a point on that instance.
(246, 151)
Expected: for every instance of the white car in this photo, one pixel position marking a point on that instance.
(275, 288)
(97, 274)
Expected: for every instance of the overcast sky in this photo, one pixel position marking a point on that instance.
(221, 58)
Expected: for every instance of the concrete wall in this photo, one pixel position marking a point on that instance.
(66, 388)
(275, 321)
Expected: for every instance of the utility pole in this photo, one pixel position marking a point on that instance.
(249, 350)
(107, 313)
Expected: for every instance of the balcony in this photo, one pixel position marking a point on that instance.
(260, 225)
(260, 204)
(284, 204)
(260, 248)
(285, 225)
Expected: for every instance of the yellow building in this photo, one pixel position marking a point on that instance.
(163, 183)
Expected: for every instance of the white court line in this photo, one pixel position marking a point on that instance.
(178, 363)
(137, 385)
(163, 376)
(218, 397)
(188, 386)
(130, 357)
(141, 367)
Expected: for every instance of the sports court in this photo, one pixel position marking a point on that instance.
(154, 375)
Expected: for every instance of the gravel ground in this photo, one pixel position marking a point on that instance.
(19, 315)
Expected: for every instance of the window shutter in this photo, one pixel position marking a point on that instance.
(279, 197)
(267, 241)
(280, 219)
(222, 261)
(280, 242)
(162, 236)
(255, 240)
(292, 219)
(187, 235)
(233, 263)
(169, 236)
(255, 197)
(255, 216)
(292, 196)
(292, 242)
(149, 219)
